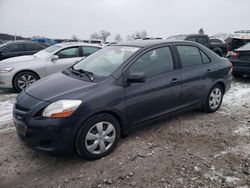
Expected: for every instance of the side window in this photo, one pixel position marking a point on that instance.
(192, 39)
(189, 55)
(202, 40)
(154, 62)
(89, 50)
(32, 47)
(205, 58)
(13, 48)
(68, 53)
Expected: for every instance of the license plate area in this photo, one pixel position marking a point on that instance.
(20, 127)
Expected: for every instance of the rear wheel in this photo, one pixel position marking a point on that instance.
(98, 136)
(214, 99)
(23, 80)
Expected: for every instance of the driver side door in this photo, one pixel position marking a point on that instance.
(66, 58)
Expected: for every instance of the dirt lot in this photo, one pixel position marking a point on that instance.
(191, 150)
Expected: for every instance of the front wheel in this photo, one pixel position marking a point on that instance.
(23, 80)
(98, 136)
(214, 99)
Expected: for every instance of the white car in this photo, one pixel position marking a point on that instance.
(20, 72)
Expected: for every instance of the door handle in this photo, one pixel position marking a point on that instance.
(174, 80)
(208, 70)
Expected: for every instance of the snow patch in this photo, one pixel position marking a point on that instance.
(6, 112)
(217, 176)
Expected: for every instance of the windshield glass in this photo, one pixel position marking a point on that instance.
(105, 61)
(246, 46)
(47, 51)
(177, 37)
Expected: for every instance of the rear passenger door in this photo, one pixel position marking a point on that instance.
(161, 91)
(196, 69)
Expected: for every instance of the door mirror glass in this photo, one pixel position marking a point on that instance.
(54, 58)
(137, 77)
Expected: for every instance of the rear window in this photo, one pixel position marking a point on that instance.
(246, 46)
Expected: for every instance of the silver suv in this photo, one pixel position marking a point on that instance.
(20, 72)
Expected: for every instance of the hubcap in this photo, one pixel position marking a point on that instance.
(100, 137)
(215, 98)
(25, 80)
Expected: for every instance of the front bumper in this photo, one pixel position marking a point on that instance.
(50, 137)
(6, 80)
(40, 133)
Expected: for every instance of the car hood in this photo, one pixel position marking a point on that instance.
(18, 60)
(59, 86)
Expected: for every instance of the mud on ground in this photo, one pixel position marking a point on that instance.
(191, 150)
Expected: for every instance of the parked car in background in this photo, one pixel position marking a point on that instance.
(19, 48)
(96, 41)
(219, 48)
(239, 39)
(44, 40)
(20, 72)
(87, 107)
(240, 59)
(216, 40)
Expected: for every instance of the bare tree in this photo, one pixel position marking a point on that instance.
(118, 38)
(201, 31)
(74, 37)
(137, 35)
(95, 36)
(104, 35)
(144, 34)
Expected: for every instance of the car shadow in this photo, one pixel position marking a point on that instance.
(8, 91)
(244, 79)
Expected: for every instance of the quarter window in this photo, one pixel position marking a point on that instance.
(189, 55)
(68, 53)
(204, 57)
(154, 62)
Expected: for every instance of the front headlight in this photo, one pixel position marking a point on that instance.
(6, 69)
(61, 109)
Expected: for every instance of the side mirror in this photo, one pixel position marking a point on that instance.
(54, 58)
(137, 77)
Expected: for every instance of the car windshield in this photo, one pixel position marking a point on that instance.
(47, 51)
(177, 37)
(106, 61)
(245, 47)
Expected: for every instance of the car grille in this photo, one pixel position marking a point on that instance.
(24, 103)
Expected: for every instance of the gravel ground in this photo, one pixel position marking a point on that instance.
(191, 150)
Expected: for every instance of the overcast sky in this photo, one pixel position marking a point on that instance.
(160, 18)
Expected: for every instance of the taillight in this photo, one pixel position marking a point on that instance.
(235, 54)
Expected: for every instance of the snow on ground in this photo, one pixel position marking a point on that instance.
(6, 104)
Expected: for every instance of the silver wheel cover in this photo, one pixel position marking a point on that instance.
(100, 137)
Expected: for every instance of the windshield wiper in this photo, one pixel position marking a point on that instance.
(80, 72)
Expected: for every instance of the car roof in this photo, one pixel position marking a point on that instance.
(147, 43)
(69, 44)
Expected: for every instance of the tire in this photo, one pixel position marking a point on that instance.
(92, 142)
(214, 99)
(23, 80)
